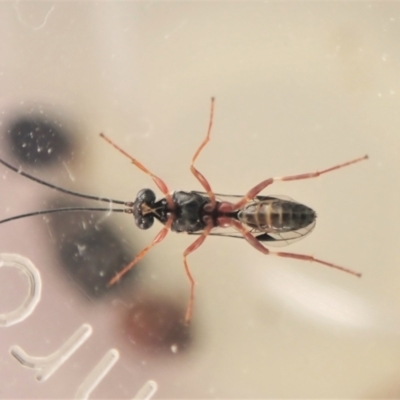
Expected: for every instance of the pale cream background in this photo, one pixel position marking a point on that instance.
(299, 86)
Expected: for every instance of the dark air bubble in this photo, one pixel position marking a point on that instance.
(91, 252)
(36, 140)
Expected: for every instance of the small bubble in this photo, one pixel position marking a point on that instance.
(81, 249)
(174, 348)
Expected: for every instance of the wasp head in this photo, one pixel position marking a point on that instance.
(143, 209)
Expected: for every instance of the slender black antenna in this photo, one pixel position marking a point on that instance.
(60, 189)
(66, 209)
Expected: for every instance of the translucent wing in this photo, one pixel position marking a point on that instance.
(269, 238)
(235, 197)
(284, 238)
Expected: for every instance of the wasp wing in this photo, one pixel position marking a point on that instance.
(232, 198)
(271, 238)
(278, 239)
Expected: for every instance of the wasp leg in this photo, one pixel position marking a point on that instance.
(195, 245)
(199, 176)
(158, 181)
(258, 245)
(160, 236)
(261, 186)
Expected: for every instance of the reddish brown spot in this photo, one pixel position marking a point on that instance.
(157, 325)
(225, 207)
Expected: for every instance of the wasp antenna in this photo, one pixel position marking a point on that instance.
(66, 209)
(60, 189)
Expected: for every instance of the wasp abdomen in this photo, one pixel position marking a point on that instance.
(276, 215)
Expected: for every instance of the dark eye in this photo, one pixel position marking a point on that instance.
(146, 196)
(144, 221)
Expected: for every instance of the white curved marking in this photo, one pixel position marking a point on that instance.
(26, 24)
(46, 366)
(147, 391)
(34, 293)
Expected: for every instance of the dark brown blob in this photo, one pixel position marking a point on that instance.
(91, 250)
(38, 140)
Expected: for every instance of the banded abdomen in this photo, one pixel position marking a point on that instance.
(272, 214)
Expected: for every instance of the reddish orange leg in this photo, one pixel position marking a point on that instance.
(199, 176)
(261, 186)
(195, 245)
(199, 241)
(158, 181)
(160, 236)
(256, 244)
